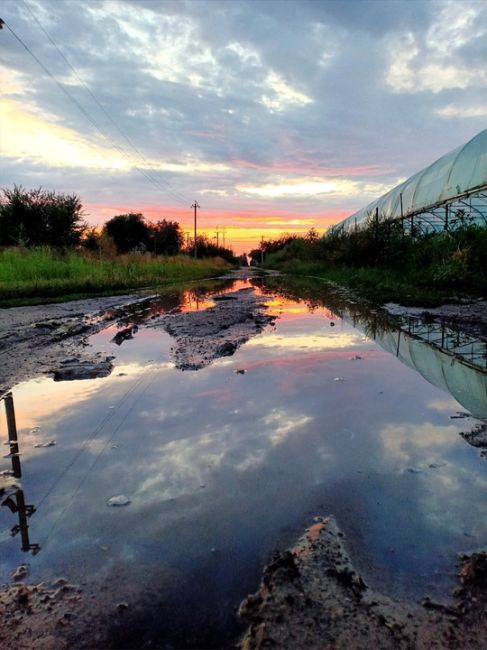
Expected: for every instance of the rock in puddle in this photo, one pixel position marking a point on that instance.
(83, 370)
(119, 500)
(20, 572)
(477, 437)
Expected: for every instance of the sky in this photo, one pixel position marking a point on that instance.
(275, 116)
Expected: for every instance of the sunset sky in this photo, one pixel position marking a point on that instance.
(276, 116)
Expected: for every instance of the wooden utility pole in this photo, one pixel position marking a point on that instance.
(195, 206)
(262, 249)
(10, 413)
(12, 434)
(217, 233)
(223, 234)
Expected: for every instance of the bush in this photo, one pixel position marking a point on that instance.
(40, 218)
(447, 259)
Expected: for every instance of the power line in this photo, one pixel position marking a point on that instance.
(87, 115)
(151, 377)
(90, 439)
(98, 103)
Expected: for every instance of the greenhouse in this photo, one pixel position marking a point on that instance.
(449, 193)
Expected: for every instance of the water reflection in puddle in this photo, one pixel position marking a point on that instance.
(221, 468)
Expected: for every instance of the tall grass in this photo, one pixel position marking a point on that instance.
(36, 274)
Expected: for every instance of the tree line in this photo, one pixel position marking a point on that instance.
(42, 217)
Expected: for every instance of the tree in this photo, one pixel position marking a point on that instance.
(205, 248)
(270, 246)
(40, 218)
(128, 231)
(312, 236)
(165, 237)
(91, 239)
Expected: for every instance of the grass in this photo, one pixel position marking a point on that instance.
(382, 263)
(30, 276)
(378, 284)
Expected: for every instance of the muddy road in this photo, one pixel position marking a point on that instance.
(41, 339)
(52, 339)
(171, 448)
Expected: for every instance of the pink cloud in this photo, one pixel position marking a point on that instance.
(302, 166)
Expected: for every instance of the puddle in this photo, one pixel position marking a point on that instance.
(336, 412)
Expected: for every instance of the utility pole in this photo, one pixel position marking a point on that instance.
(223, 233)
(262, 249)
(195, 205)
(217, 233)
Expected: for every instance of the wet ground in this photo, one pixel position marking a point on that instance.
(314, 407)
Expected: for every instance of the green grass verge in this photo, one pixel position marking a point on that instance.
(381, 285)
(38, 275)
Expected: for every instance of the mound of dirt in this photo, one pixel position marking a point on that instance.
(312, 597)
(203, 336)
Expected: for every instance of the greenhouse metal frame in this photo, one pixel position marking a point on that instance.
(445, 195)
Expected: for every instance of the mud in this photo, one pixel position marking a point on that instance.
(38, 339)
(312, 597)
(57, 614)
(203, 336)
(470, 317)
(38, 616)
(477, 437)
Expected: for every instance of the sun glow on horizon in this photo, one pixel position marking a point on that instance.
(243, 231)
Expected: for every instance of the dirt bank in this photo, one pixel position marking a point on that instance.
(312, 597)
(470, 317)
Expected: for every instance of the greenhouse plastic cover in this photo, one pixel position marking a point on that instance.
(466, 382)
(463, 381)
(456, 174)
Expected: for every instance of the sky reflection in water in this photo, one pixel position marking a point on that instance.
(222, 468)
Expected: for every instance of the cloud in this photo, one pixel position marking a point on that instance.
(309, 109)
(456, 110)
(435, 63)
(315, 187)
(280, 95)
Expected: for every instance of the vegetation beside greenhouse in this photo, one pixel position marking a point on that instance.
(384, 263)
